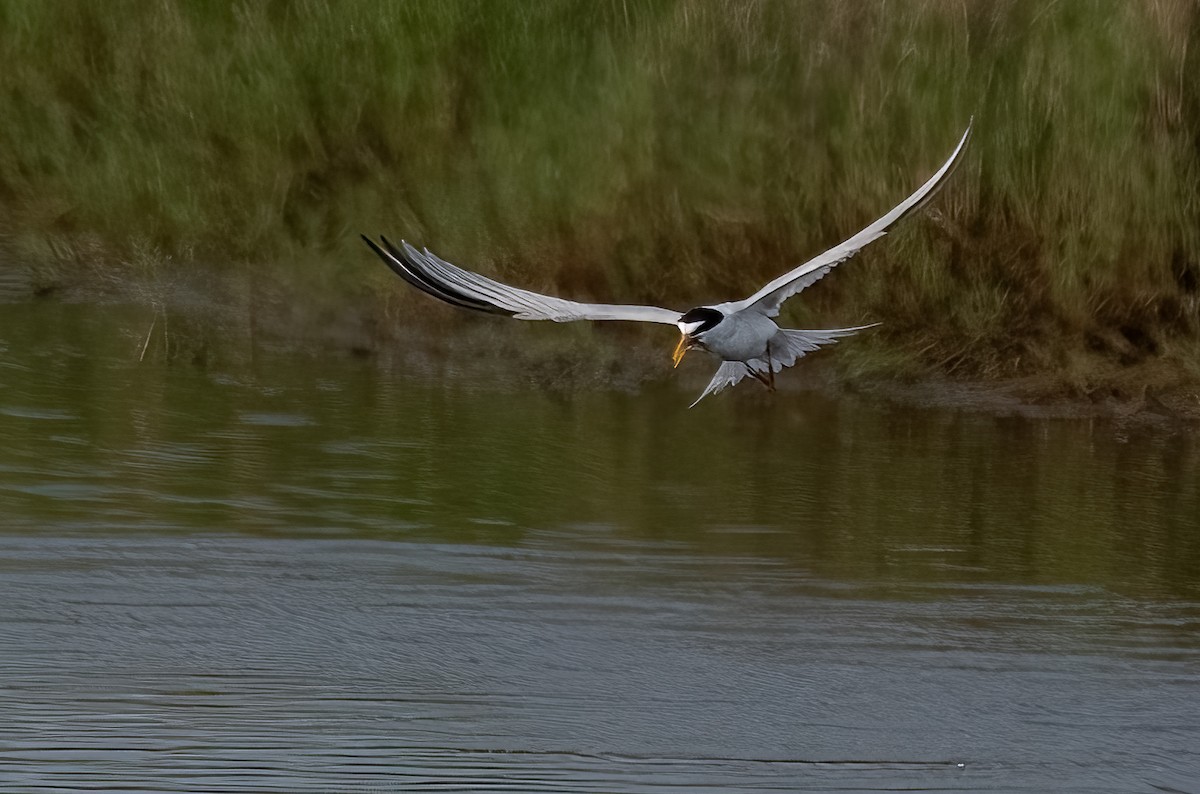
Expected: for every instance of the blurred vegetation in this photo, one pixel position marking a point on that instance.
(641, 150)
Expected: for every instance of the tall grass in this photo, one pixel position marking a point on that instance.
(642, 150)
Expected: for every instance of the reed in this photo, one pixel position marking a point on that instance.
(641, 150)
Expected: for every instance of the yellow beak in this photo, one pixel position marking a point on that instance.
(680, 350)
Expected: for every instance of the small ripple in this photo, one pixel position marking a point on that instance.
(153, 455)
(45, 414)
(273, 419)
(369, 761)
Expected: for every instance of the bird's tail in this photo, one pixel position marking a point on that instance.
(790, 344)
(787, 346)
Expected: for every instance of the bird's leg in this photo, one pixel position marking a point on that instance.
(758, 376)
(770, 370)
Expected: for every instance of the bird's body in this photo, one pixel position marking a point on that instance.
(740, 336)
(743, 334)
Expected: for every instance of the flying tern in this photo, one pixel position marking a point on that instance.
(741, 333)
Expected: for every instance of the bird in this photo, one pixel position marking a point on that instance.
(743, 334)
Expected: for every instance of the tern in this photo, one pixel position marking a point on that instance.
(741, 333)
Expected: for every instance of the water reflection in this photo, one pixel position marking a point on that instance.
(335, 446)
(271, 570)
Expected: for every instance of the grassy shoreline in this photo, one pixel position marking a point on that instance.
(638, 151)
(214, 320)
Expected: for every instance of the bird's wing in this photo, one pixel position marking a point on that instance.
(768, 299)
(468, 290)
(729, 373)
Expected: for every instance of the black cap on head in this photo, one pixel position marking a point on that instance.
(708, 318)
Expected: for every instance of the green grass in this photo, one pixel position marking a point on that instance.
(638, 150)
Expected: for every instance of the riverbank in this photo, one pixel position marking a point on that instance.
(644, 151)
(210, 320)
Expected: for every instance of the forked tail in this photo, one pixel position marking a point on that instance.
(787, 347)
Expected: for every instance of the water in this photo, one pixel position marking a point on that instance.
(245, 568)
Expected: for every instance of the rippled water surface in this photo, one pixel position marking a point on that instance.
(240, 568)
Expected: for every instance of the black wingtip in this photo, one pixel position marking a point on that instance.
(404, 267)
(393, 250)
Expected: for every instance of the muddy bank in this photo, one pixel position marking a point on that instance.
(1168, 404)
(209, 317)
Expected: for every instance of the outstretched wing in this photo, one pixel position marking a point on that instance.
(468, 290)
(768, 299)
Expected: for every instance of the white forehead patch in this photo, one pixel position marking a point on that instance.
(687, 329)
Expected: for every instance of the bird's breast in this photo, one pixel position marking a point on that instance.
(741, 337)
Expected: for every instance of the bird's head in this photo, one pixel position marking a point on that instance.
(693, 326)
